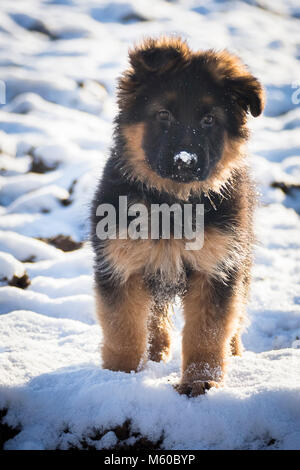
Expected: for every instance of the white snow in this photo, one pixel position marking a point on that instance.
(24, 248)
(60, 88)
(185, 157)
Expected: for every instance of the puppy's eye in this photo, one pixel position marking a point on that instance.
(207, 121)
(164, 115)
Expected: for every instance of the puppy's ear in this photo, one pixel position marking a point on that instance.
(158, 55)
(247, 91)
(239, 84)
(154, 59)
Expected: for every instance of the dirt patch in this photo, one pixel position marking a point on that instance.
(21, 282)
(6, 432)
(30, 259)
(133, 17)
(63, 242)
(287, 188)
(39, 166)
(123, 433)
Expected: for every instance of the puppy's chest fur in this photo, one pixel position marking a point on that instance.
(169, 263)
(166, 264)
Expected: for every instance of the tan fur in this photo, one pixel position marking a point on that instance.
(124, 327)
(128, 257)
(236, 345)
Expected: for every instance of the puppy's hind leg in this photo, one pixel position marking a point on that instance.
(159, 326)
(236, 345)
(123, 314)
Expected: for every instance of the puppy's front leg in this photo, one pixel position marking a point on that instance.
(123, 314)
(210, 313)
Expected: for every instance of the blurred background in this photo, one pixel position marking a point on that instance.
(59, 61)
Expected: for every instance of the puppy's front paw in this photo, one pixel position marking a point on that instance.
(195, 388)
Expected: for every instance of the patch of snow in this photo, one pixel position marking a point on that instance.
(185, 157)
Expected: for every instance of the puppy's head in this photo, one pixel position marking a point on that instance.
(183, 113)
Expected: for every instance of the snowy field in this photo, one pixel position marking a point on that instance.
(59, 60)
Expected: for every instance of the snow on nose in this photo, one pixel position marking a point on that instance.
(186, 158)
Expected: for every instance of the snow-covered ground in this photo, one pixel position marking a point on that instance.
(58, 61)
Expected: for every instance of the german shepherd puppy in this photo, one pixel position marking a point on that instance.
(175, 103)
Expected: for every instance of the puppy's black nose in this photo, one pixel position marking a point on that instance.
(185, 160)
